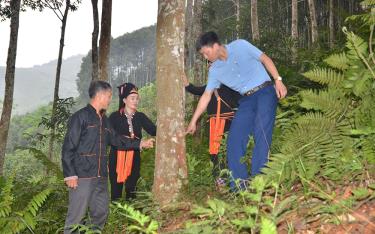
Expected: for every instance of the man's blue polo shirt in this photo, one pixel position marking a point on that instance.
(241, 71)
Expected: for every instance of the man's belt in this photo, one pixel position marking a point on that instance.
(253, 90)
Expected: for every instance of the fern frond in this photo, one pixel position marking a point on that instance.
(357, 47)
(6, 197)
(325, 76)
(330, 102)
(338, 61)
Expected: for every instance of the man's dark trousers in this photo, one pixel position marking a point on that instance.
(91, 194)
(255, 116)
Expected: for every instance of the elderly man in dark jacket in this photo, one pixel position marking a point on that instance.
(84, 158)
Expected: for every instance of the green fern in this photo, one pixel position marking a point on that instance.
(325, 76)
(338, 61)
(268, 227)
(16, 221)
(142, 223)
(331, 102)
(7, 198)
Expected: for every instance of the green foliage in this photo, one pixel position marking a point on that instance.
(325, 76)
(15, 221)
(60, 120)
(140, 223)
(268, 227)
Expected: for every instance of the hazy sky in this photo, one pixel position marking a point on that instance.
(39, 32)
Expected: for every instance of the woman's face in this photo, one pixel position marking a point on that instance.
(132, 101)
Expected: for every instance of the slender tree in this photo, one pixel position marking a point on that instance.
(189, 40)
(197, 30)
(9, 79)
(105, 40)
(254, 20)
(170, 162)
(94, 40)
(331, 24)
(63, 17)
(294, 29)
(313, 21)
(237, 5)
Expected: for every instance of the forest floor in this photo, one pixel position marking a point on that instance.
(358, 220)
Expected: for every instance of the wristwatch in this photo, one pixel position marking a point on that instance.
(279, 78)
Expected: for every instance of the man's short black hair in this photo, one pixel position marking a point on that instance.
(98, 86)
(207, 39)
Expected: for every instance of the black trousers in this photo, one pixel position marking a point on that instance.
(131, 181)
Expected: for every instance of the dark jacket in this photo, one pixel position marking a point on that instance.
(228, 95)
(84, 148)
(140, 121)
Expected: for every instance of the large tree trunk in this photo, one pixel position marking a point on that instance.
(94, 40)
(313, 21)
(105, 39)
(331, 25)
(254, 20)
(170, 163)
(189, 40)
(9, 80)
(57, 80)
(237, 5)
(294, 29)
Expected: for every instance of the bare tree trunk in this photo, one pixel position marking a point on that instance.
(57, 81)
(170, 162)
(254, 20)
(94, 41)
(237, 4)
(331, 25)
(105, 39)
(294, 29)
(197, 31)
(9, 80)
(313, 21)
(189, 40)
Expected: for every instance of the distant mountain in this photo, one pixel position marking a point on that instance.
(34, 86)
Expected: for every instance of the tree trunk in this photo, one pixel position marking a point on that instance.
(197, 31)
(313, 21)
(170, 163)
(294, 29)
(94, 40)
(254, 20)
(331, 25)
(9, 80)
(57, 80)
(237, 4)
(189, 40)
(105, 40)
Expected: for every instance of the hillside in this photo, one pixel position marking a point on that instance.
(34, 85)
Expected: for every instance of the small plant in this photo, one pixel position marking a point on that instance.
(15, 221)
(140, 223)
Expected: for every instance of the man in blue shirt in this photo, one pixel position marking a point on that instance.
(242, 67)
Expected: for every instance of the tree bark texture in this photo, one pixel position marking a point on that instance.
(105, 40)
(9, 80)
(170, 176)
(237, 5)
(294, 29)
(197, 31)
(94, 40)
(313, 21)
(331, 24)
(254, 20)
(189, 40)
